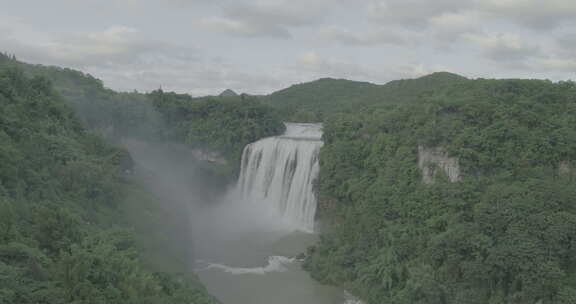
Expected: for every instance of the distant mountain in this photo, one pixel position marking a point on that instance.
(228, 93)
(430, 81)
(308, 101)
(312, 100)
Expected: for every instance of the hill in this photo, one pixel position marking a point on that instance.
(61, 236)
(314, 100)
(309, 101)
(228, 93)
(465, 194)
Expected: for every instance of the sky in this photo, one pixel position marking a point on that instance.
(202, 47)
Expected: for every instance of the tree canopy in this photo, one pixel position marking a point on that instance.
(504, 233)
(60, 188)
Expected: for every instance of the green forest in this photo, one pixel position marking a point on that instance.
(60, 241)
(503, 232)
(69, 206)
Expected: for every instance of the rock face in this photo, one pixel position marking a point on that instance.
(565, 168)
(228, 93)
(432, 160)
(209, 156)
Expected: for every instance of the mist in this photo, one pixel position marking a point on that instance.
(204, 220)
(242, 243)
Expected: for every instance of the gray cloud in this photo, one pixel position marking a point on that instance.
(243, 28)
(556, 65)
(379, 37)
(173, 51)
(281, 15)
(568, 43)
(542, 15)
(127, 61)
(115, 46)
(415, 13)
(332, 67)
(264, 19)
(509, 49)
(420, 14)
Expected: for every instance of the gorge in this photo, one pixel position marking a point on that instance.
(440, 189)
(264, 223)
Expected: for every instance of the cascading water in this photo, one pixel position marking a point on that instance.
(245, 253)
(279, 172)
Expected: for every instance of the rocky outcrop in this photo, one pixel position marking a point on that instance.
(565, 168)
(431, 161)
(209, 156)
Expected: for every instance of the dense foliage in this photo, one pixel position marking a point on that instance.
(60, 188)
(505, 233)
(317, 100)
(308, 102)
(112, 114)
(223, 124)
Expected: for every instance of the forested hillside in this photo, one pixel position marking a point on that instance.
(315, 101)
(69, 202)
(60, 189)
(309, 102)
(221, 124)
(490, 217)
(503, 231)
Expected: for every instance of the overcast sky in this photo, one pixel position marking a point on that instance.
(258, 46)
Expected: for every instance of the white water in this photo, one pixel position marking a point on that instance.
(275, 264)
(350, 299)
(247, 245)
(279, 173)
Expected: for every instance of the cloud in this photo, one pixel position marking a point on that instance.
(541, 15)
(321, 66)
(243, 28)
(379, 37)
(557, 64)
(264, 19)
(422, 14)
(114, 46)
(568, 43)
(508, 49)
(451, 25)
(414, 14)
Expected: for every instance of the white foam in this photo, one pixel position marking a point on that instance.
(303, 130)
(350, 299)
(279, 172)
(275, 264)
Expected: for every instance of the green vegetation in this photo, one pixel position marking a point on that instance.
(310, 101)
(505, 233)
(219, 124)
(317, 100)
(66, 196)
(223, 124)
(60, 189)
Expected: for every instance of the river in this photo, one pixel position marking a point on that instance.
(247, 247)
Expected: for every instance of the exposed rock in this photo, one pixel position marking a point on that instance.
(228, 93)
(431, 160)
(565, 168)
(209, 156)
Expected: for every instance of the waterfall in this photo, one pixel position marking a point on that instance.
(279, 172)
